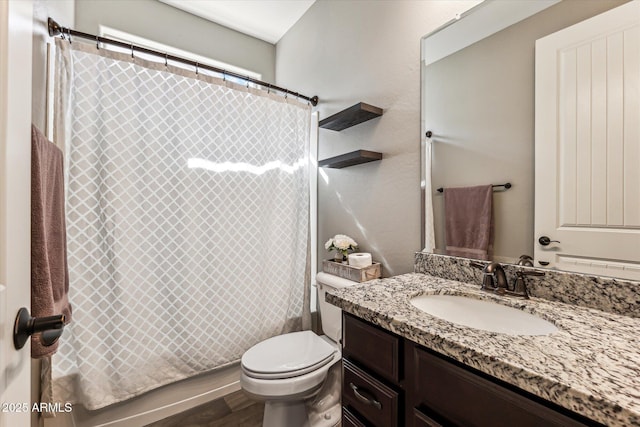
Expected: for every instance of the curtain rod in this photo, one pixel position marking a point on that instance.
(56, 30)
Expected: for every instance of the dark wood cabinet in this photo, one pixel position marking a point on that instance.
(350, 420)
(392, 381)
(368, 396)
(372, 378)
(371, 347)
(465, 398)
(420, 419)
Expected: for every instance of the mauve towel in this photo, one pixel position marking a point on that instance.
(49, 273)
(469, 221)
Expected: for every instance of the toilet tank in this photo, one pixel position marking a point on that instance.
(330, 314)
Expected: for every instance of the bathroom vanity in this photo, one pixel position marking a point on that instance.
(405, 367)
(392, 381)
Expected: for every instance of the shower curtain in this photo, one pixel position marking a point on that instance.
(188, 223)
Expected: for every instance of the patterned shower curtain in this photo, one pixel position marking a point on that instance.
(188, 223)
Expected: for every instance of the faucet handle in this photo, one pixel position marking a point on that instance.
(526, 261)
(520, 284)
(530, 272)
(477, 265)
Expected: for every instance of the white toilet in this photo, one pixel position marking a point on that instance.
(287, 371)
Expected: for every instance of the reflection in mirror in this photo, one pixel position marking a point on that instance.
(478, 102)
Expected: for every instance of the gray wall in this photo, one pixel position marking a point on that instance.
(157, 21)
(351, 51)
(480, 105)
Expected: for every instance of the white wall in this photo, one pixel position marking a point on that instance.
(162, 23)
(351, 51)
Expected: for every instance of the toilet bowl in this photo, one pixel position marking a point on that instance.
(288, 371)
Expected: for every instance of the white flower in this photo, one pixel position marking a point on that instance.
(341, 242)
(329, 243)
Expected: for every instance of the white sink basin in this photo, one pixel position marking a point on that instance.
(484, 315)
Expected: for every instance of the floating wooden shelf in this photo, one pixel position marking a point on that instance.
(351, 116)
(350, 159)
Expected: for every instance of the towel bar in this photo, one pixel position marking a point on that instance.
(506, 187)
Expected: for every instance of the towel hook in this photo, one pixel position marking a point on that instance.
(25, 325)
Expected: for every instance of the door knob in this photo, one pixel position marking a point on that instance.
(544, 241)
(25, 325)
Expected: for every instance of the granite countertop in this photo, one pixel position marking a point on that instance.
(591, 365)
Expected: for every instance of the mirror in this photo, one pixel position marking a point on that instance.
(478, 102)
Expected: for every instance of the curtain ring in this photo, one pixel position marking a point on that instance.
(69, 34)
(132, 57)
(166, 59)
(268, 89)
(97, 42)
(196, 68)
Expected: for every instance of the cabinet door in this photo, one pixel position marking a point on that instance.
(465, 398)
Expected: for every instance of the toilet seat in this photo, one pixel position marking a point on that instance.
(298, 387)
(287, 356)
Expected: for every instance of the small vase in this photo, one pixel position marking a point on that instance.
(340, 257)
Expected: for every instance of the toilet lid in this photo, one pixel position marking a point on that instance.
(287, 355)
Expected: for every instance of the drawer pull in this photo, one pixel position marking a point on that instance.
(361, 396)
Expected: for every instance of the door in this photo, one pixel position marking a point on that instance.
(16, 19)
(587, 155)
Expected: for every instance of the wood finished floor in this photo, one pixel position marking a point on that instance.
(233, 410)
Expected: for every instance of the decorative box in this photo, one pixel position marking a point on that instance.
(346, 271)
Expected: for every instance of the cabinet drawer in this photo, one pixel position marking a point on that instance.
(368, 397)
(350, 420)
(421, 419)
(373, 348)
(445, 388)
